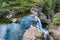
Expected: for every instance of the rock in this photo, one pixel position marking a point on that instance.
(55, 32)
(12, 13)
(14, 20)
(35, 10)
(33, 33)
(43, 17)
(3, 14)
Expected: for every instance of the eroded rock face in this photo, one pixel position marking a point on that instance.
(55, 32)
(33, 33)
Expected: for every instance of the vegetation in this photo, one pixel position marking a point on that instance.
(48, 5)
(16, 4)
(56, 20)
(5, 20)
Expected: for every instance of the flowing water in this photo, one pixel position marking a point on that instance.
(15, 31)
(39, 25)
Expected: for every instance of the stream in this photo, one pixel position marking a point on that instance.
(15, 31)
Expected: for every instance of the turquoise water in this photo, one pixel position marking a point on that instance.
(15, 31)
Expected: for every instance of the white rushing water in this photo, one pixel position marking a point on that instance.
(39, 25)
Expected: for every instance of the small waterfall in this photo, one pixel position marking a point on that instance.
(35, 11)
(15, 31)
(29, 19)
(39, 25)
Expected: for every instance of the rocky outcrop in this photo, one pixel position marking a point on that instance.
(33, 33)
(55, 32)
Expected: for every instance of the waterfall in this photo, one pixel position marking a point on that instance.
(39, 25)
(30, 18)
(15, 31)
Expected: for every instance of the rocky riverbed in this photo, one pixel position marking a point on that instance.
(30, 20)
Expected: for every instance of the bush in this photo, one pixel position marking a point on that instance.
(56, 20)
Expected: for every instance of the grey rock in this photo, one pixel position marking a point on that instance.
(33, 33)
(55, 32)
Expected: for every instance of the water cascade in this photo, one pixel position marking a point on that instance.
(39, 25)
(15, 31)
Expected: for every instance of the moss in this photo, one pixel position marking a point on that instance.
(48, 6)
(36, 1)
(57, 15)
(4, 4)
(25, 3)
(4, 20)
(17, 4)
(4, 10)
(56, 20)
(22, 15)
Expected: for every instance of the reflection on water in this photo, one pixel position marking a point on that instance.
(15, 31)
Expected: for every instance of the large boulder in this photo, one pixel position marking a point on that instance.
(33, 33)
(55, 32)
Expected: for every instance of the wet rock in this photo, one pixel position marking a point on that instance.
(35, 10)
(3, 14)
(55, 32)
(5, 20)
(14, 20)
(33, 33)
(43, 17)
(12, 13)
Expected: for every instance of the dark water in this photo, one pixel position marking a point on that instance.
(15, 31)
